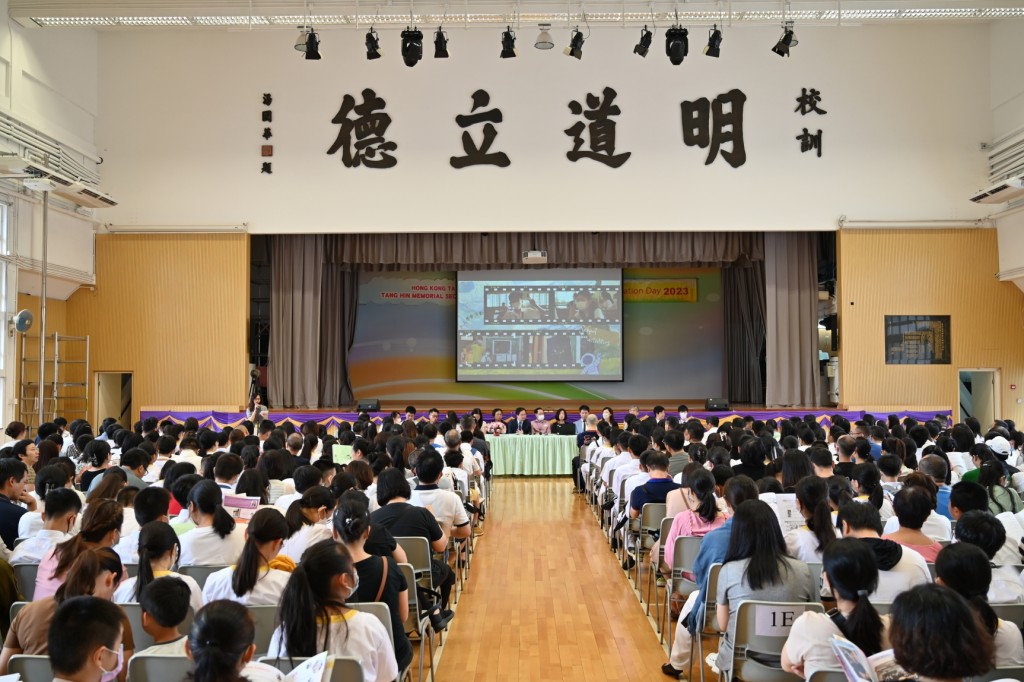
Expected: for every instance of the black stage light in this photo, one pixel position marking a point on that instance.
(440, 44)
(677, 44)
(575, 48)
(714, 47)
(372, 44)
(645, 42)
(787, 41)
(508, 43)
(412, 46)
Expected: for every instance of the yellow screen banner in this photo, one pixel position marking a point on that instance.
(660, 290)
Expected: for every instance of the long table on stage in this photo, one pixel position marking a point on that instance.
(532, 455)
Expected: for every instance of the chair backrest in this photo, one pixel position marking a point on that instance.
(346, 668)
(25, 574)
(884, 607)
(132, 570)
(159, 668)
(762, 628)
(18, 606)
(31, 668)
(417, 551)
(651, 516)
(666, 526)
(830, 675)
(684, 553)
(381, 611)
(142, 638)
(816, 569)
(931, 570)
(414, 600)
(1011, 673)
(1011, 612)
(265, 618)
(199, 573)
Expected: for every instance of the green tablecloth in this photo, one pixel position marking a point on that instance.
(532, 455)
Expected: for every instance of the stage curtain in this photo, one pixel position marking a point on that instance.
(743, 294)
(500, 250)
(338, 301)
(791, 339)
(297, 267)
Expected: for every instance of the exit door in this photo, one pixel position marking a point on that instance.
(978, 390)
(114, 397)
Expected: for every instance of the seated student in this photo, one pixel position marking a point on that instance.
(446, 506)
(85, 640)
(756, 567)
(657, 487)
(966, 496)
(304, 478)
(94, 572)
(254, 581)
(936, 526)
(151, 504)
(226, 472)
(1000, 498)
(222, 643)
(13, 494)
(964, 568)
(898, 569)
(48, 478)
(701, 515)
(912, 506)
(866, 480)
(309, 521)
(850, 575)
(97, 458)
(809, 542)
(165, 603)
(983, 530)
(254, 483)
(101, 527)
(936, 635)
(821, 461)
(61, 510)
(181, 521)
(313, 616)
(276, 464)
(158, 549)
(216, 538)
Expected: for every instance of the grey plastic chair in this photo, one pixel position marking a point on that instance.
(419, 620)
(661, 569)
(265, 618)
(199, 573)
(749, 644)
(143, 639)
(18, 606)
(25, 574)
(684, 554)
(1013, 613)
(346, 668)
(827, 675)
(1010, 673)
(159, 668)
(31, 668)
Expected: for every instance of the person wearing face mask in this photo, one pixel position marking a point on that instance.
(540, 426)
(309, 521)
(314, 618)
(684, 414)
(158, 550)
(94, 572)
(86, 640)
(216, 539)
(254, 581)
(61, 509)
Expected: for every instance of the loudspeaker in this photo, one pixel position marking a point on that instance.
(370, 405)
(716, 405)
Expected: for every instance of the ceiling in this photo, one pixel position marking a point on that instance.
(121, 15)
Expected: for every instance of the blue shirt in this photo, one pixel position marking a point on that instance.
(654, 491)
(712, 551)
(942, 501)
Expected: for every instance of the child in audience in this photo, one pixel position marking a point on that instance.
(158, 551)
(151, 504)
(701, 515)
(48, 478)
(304, 478)
(101, 527)
(983, 530)
(309, 521)
(165, 603)
(60, 513)
(899, 568)
(253, 581)
(216, 539)
(314, 617)
(86, 640)
(913, 506)
(222, 645)
(809, 542)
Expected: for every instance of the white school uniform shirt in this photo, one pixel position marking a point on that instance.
(461, 476)
(364, 639)
(936, 526)
(188, 456)
(203, 547)
(613, 464)
(125, 592)
(32, 550)
(301, 540)
(1006, 586)
(175, 647)
(1009, 645)
(622, 472)
(634, 482)
(444, 505)
(910, 571)
(266, 592)
(802, 544)
(285, 501)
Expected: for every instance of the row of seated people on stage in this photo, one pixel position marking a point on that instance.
(315, 535)
(924, 519)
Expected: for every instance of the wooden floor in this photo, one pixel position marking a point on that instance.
(547, 599)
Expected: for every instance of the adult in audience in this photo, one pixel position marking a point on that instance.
(912, 506)
(309, 521)
(216, 539)
(13, 494)
(158, 550)
(101, 528)
(61, 509)
(85, 640)
(899, 569)
(701, 515)
(809, 542)
(222, 643)
(985, 531)
(165, 603)
(850, 574)
(253, 580)
(965, 569)
(675, 444)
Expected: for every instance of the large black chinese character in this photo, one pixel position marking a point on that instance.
(368, 148)
(810, 141)
(808, 101)
(708, 123)
(479, 156)
(601, 128)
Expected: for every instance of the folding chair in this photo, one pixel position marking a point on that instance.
(18, 606)
(661, 568)
(25, 575)
(931, 571)
(346, 668)
(131, 570)
(30, 668)
(419, 619)
(684, 554)
(159, 668)
(265, 618)
(824, 675)
(200, 573)
(816, 569)
(417, 551)
(885, 607)
(1009, 674)
(762, 628)
(1013, 613)
(708, 612)
(651, 515)
(143, 639)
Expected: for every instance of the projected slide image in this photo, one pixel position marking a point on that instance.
(557, 304)
(581, 353)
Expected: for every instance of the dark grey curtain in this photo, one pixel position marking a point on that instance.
(791, 294)
(744, 298)
(297, 269)
(338, 301)
(500, 250)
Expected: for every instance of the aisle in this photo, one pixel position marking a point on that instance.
(546, 600)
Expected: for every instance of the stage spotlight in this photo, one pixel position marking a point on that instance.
(714, 47)
(575, 48)
(308, 43)
(544, 41)
(440, 44)
(372, 44)
(508, 43)
(645, 42)
(412, 46)
(787, 41)
(677, 44)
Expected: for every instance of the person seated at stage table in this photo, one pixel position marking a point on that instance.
(497, 424)
(540, 425)
(581, 425)
(520, 425)
(561, 426)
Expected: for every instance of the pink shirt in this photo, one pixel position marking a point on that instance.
(929, 552)
(46, 583)
(689, 523)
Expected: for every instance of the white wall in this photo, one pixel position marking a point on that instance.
(1007, 76)
(180, 132)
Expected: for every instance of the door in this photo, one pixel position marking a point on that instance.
(978, 390)
(114, 397)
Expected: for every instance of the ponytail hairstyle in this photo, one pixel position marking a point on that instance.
(207, 497)
(702, 484)
(309, 445)
(869, 480)
(308, 599)
(395, 448)
(99, 519)
(965, 568)
(853, 575)
(96, 453)
(812, 493)
(156, 539)
(910, 458)
(85, 571)
(990, 475)
(221, 633)
(111, 483)
(352, 517)
(266, 525)
(314, 498)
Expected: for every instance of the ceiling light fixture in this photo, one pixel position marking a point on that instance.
(646, 38)
(440, 44)
(714, 46)
(372, 44)
(508, 43)
(677, 44)
(412, 46)
(575, 48)
(308, 42)
(787, 40)
(544, 41)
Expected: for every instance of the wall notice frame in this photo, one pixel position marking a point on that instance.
(917, 340)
